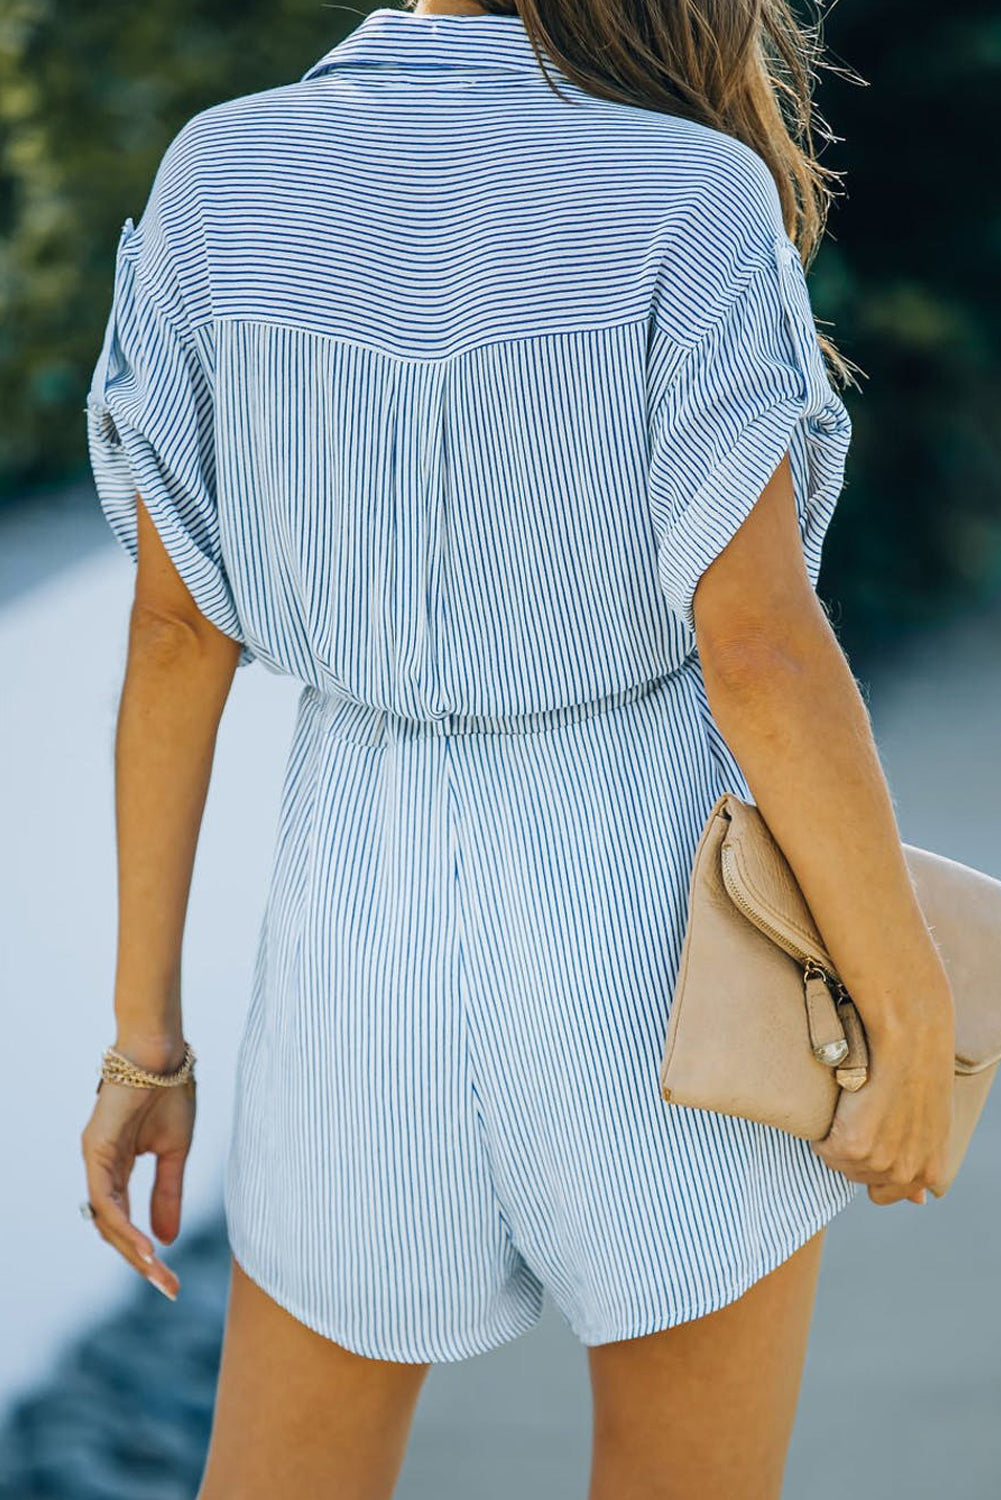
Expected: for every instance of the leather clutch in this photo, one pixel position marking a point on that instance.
(760, 1023)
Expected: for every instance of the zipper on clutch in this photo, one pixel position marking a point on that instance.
(837, 1036)
(813, 969)
(836, 987)
(827, 1033)
(838, 1040)
(733, 891)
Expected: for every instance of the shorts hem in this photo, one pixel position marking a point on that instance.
(434, 1353)
(659, 1321)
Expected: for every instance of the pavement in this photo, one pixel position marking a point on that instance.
(902, 1389)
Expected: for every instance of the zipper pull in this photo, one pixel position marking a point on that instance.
(855, 1069)
(827, 1034)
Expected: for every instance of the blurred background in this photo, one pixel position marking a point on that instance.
(105, 1386)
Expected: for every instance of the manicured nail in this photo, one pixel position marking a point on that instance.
(147, 1256)
(161, 1288)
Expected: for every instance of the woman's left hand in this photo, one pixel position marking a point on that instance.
(127, 1121)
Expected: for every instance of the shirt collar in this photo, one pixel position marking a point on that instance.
(391, 38)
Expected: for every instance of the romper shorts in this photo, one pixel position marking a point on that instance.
(447, 1096)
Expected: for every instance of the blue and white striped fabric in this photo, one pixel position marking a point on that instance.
(443, 389)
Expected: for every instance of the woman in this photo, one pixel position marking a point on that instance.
(487, 401)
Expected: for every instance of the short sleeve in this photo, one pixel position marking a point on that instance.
(753, 386)
(150, 408)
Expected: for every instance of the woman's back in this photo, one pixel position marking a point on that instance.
(442, 358)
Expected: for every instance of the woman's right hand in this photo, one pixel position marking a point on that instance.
(892, 1134)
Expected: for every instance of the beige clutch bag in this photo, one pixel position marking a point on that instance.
(760, 1024)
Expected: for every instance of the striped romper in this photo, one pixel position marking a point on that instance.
(442, 387)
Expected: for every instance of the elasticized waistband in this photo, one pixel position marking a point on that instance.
(362, 723)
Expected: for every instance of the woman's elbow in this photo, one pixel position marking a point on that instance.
(753, 643)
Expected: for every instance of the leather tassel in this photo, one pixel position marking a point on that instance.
(854, 1071)
(827, 1035)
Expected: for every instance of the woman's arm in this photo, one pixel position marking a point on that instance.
(784, 698)
(178, 674)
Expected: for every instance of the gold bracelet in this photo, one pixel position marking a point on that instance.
(116, 1068)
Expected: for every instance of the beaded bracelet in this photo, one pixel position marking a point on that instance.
(116, 1068)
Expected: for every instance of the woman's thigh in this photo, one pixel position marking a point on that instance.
(706, 1408)
(296, 1414)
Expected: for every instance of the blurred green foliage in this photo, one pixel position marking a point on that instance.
(90, 97)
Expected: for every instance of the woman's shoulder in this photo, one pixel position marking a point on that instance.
(719, 221)
(249, 128)
(706, 172)
(690, 182)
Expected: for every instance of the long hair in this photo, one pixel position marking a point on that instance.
(743, 67)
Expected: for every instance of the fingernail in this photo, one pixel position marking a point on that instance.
(147, 1256)
(161, 1288)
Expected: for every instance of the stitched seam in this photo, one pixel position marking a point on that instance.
(433, 359)
(690, 347)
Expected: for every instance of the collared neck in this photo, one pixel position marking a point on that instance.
(390, 38)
